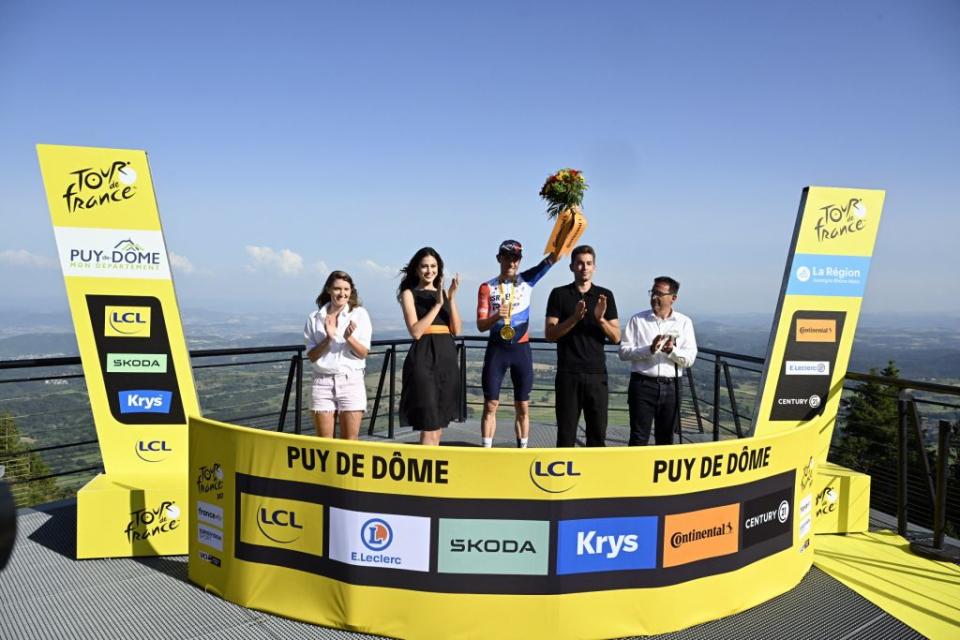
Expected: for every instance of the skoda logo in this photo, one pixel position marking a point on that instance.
(376, 534)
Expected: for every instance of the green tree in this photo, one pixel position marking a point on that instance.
(869, 436)
(20, 465)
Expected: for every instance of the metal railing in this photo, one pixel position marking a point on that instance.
(255, 387)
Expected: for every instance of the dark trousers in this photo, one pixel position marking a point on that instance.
(651, 400)
(576, 392)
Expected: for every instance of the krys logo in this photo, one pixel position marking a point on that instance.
(126, 322)
(145, 401)
(150, 522)
(376, 534)
(93, 187)
(279, 525)
(556, 476)
(838, 220)
(153, 450)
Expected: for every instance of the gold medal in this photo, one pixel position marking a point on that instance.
(506, 331)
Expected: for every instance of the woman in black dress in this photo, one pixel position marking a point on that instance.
(430, 396)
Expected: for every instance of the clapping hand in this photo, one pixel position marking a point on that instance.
(668, 345)
(438, 283)
(349, 330)
(656, 344)
(454, 285)
(330, 325)
(601, 308)
(581, 311)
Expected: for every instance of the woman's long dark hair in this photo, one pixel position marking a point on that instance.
(410, 276)
(324, 297)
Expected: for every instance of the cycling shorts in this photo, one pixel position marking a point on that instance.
(500, 357)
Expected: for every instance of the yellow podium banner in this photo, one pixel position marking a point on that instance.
(818, 310)
(449, 542)
(135, 362)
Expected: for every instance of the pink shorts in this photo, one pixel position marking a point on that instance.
(339, 392)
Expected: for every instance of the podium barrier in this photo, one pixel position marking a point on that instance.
(445, 542)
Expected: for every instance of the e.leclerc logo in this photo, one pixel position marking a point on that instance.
(279, 525)
(606, 544)
(92, 188)
(153, 450)
(126, 322)
(380, 540)
(145, 401)
(554, 476)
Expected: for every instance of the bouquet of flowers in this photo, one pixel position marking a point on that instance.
(563, 190)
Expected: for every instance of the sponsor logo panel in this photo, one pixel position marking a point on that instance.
(828, 275)
(807, 368)
(145, 401)
(209, 557)
(282, 523)
(508, 547)
(696, 535)
(606, 544)
(816, 330)
(112, 253)
(806, 504)
(126, 322)
(210, 536)
(136, 363)
(210, 513)
(767, 517)
(380, 540)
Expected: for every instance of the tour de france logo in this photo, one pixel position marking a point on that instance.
(841, 219)
(376, 534)
(93, 187)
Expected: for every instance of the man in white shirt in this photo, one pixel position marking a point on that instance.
(659, 343)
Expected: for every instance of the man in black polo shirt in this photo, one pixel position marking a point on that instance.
(580, 317)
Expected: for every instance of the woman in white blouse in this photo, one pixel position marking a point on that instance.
(338, 337)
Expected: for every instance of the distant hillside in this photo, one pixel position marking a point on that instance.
(38, 345)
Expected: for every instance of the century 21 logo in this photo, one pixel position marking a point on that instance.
(278, 525)
(557, 476)
(126, 322)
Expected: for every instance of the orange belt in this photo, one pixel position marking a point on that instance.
(437, 328)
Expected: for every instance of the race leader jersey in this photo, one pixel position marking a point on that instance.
(517, 296)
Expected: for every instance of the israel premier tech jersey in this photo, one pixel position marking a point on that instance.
(517, 295)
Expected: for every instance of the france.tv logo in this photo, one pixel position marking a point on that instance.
(145, 401)
(606, 544)
(376, 534)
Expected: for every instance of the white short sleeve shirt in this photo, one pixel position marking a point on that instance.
(339, 358)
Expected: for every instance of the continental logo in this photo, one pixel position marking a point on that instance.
(94, 187)
(136, 363)
(816, 330)
(126, 322)
(697, 535)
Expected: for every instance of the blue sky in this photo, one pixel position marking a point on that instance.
(289, 138)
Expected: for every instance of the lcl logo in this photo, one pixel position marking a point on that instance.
(280, 523)
(557, 476)
(153, 450)
(126, 322)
